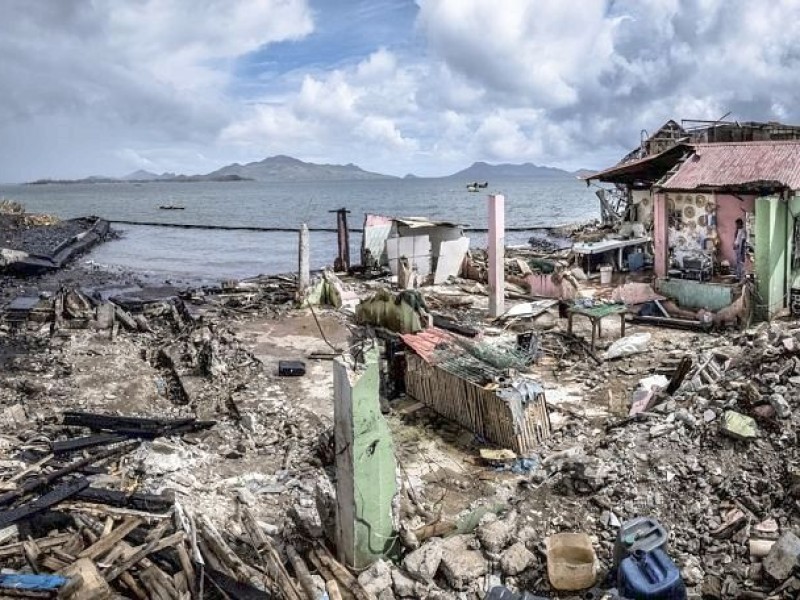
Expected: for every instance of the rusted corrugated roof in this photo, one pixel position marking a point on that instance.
(426, 342)
(740, 164)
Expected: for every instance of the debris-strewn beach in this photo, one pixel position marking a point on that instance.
(372, 434)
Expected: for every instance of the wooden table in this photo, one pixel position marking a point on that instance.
(595, 315)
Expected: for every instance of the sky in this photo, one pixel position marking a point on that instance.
(106, 87)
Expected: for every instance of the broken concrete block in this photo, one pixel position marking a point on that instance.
(516, 559)
(386, 594)
(738, 426)
(460, 565)
(495, 535)
(14, 416)
(781, 406)
(783, 557)
(377, 578)
(407, 587)
(423, 562)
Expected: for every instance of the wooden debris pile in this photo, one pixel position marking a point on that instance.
(63, 534)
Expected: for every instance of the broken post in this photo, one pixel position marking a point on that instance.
(342, 262)
(304, 269)
(365, 464)
(497, 235)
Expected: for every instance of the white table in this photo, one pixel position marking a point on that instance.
(603, 246)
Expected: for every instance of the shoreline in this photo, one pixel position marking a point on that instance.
(109, 343)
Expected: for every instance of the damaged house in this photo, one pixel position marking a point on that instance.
(433, 249)
(687, 196)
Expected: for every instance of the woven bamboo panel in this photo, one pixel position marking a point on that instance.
(478, 409)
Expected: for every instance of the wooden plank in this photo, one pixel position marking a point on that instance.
(43, 544)
(141, 552)
(92, 586)
(104, 544)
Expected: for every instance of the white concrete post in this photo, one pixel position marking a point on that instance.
(304, 268)
(497, 240)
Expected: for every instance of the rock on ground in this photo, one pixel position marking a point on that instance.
(377, 578)
(407, 587)
(495, 535)
(516, 559)
(460, 565)
(423, 562)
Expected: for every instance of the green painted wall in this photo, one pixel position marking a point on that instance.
(792, 275)
(365, 464)
(772, 222)
(695, 294)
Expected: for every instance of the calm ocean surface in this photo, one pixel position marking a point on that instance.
(196, 254)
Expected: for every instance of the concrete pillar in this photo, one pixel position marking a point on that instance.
(660, 234)
(365, 464)
(304, 268)
(497, 241)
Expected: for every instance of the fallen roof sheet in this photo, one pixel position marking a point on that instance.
(426, 342)
(737, 164)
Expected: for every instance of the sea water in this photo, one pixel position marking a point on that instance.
(201, 254)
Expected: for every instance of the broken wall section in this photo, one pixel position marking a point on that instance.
(365, 463)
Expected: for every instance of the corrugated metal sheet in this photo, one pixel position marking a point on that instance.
(730, 165)
(426, 342)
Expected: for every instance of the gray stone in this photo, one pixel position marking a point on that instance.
(407, 587)
(376, 578)
(783, 557)
(423, 562)
(460, 565)
(781, 406)
(495, 535)
(516, 559)
(386, 594)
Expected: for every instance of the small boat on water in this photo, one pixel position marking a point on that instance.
(171, 207)
(477, 185)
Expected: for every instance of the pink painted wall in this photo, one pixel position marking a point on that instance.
(730, 208)
(547, 286)
(660, 234)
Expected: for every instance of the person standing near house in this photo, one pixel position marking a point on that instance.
(740, 247)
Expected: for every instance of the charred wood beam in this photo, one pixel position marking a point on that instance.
(134, 426)
(35, 483)
(42, 503)
(90, 441)
(234, 589)
(443, 322)
(136, 500)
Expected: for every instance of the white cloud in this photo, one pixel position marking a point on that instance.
(140, 72)
(544, 81)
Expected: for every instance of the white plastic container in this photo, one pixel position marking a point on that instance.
(605, 274)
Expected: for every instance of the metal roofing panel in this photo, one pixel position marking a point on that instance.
(426, 342)
(775, 163)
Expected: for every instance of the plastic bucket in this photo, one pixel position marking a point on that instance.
(605, 274)
(571, 561)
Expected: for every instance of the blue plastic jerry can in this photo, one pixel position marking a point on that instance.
(650, 576)
(503, 593)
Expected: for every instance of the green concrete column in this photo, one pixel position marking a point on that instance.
(770, 260)
(365, 464)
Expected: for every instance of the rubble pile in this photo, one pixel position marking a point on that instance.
(75, 522)
(150, 444)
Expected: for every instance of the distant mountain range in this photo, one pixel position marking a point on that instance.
(481, 171)
(285, 168)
